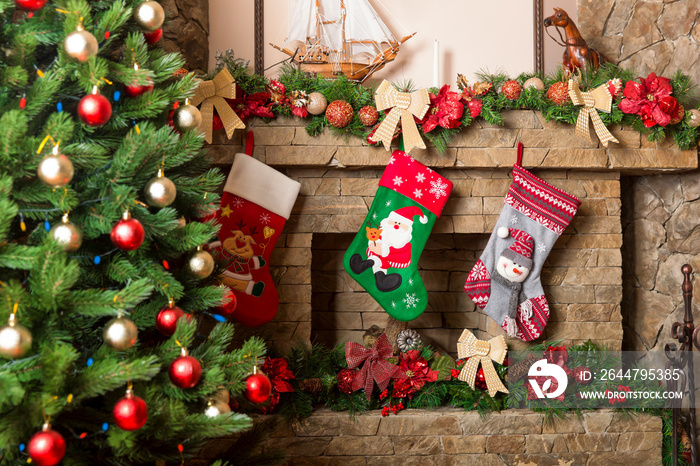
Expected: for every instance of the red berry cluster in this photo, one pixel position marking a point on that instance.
(393, 408)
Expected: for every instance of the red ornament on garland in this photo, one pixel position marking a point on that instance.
(30, 5)
(153, 36)
(130, 412)
(46, 448)
(480, 381)
(511, 89)
(345, 379)
(339, 113)
(368, 115)
(166, 320)
(558, 93)
(94, 109)
(185, 371)
(128, 233)
(257, 387)
(582, 375)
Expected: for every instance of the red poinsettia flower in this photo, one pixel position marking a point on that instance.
(301, 112)
(254, 104)
(651, 100)
(277, 370)
(446, 110)
(417, 373)
(554, 354)
(473, 104)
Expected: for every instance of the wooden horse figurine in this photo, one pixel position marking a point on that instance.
(577, 54)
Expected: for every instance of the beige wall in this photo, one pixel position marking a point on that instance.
(469, 39)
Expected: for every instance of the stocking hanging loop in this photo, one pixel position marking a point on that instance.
(519, 160)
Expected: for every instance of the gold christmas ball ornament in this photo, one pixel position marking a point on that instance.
(216, 408)
(160, 191)
(15, 339)
(222, 395)
(535, 83)
(55, 170)
(149, 16)
(187, 117)
(693, 117)
(80, 44)
(67, 234)
(200, 264)
(317, 103)
(120, 333)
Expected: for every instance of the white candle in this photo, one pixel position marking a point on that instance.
(436, 64)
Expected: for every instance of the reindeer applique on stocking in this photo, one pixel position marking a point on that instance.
(255, 205)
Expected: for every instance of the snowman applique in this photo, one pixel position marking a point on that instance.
(513, 267)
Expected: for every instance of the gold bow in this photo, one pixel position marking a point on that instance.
(482, 351)
(212, 94)
(403, 106)
(597, 99)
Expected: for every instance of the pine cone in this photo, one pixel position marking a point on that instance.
(311, 385)
(519, 370)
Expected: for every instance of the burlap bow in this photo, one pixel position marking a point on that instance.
(212, 94)
(481, 351)
(403, 106)
(375, 368)
(597, 99)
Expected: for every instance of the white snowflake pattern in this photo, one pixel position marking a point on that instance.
(237, 202)
(393, 304)
(410, 281)
(420, 177)
(541, 247)
(391, 160)
(388, 203)
(411, 159)
(397, 181)
(410, 300)
(264, 218)
(438, 188)
(374, 216)
(514, 220)
(418, 193)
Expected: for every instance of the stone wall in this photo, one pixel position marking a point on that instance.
(453, 437)
(186, 30)
(582, 276)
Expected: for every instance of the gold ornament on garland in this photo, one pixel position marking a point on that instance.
(482, 351)
(597, 99)
(693, 117)
(200, 264)
(317, 103)
(160, 191)
(187, 117)
(120, 333)
(149, 15)
(535, 83)
(404, 106)
(67, 235)
(80, 44)
(15, 339)
(212, 94)
(55, 170)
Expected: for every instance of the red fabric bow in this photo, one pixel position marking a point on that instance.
(375, 367)
(277, 370)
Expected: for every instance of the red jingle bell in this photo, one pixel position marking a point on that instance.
(46, 448)
(185, 371)
(128, 233)
(153, 36)
(94, 109)
(30, 5)
(130, 412)
(257, 387)
(166, 320)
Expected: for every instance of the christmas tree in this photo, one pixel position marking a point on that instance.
(113, 352)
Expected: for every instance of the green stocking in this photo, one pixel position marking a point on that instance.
(383, 257)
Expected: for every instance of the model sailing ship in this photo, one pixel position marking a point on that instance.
(339, 37)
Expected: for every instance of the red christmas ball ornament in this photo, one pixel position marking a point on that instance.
(583, 375)
(94, 109)
(345, 379)
(30, 5)
(185, 371)
(558, 93)
(127, 234)
(368, 115)
(46, 448)
(229, 308)
(153, 36)
(480, 381)
(166, 320)
(135, 90)
(257, 387)
(511, 89)
(339, 113)
(130, 412)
